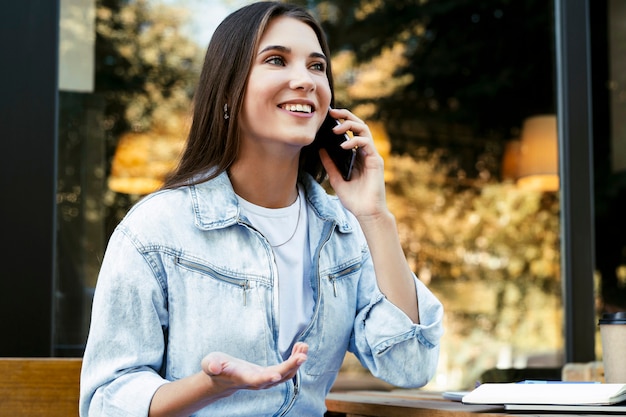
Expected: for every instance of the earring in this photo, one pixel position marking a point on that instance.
(226, 116)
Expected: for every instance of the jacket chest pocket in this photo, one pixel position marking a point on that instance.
(340, 280)
(210, 310)
(206, 272)
(332, 330)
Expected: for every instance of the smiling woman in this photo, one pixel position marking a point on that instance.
(284, 79)
(463, 230)
(242, 273)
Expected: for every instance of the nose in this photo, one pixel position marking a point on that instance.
(301, 79)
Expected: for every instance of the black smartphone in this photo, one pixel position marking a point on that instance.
(344, 159)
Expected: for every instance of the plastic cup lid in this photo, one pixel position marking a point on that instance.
(614, 318)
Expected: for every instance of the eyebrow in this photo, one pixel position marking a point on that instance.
(287, 50)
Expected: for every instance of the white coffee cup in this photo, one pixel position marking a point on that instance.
(613, 334)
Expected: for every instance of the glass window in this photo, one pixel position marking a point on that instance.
(461, 96)
(458, 94)
(81, 177)
(608, 40)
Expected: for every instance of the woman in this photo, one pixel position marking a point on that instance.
(242, 274)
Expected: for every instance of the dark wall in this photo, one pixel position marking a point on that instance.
(28, 119)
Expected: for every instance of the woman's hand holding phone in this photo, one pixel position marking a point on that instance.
(364, 195)
(344, 159)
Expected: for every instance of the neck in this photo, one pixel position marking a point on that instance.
(267, 186)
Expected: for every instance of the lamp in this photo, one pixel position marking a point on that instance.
(538, 164)
(510, 160)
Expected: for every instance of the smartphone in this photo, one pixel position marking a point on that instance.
(344, 159)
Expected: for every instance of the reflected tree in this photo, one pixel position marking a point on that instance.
(145, 72)
(146, 69)
(464, 72)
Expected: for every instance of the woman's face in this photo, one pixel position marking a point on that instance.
(288, 94)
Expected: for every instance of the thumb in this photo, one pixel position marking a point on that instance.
(212, 365)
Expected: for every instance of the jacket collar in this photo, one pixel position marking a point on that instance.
(215, 204)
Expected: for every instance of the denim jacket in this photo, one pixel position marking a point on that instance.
(185, 274)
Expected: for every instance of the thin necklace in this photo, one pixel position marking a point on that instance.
(297, 224)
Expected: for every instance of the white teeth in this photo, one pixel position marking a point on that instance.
(298, 107)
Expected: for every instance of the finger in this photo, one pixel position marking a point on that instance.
(212, 364)
(300, 347)
(348, 121)
(357, 129)
(289, 367)
(344, 114)
(295, 360)
(300, 350)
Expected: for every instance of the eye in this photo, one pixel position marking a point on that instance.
(319, 66)
(275, 60)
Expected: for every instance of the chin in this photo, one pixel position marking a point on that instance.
(303, 139)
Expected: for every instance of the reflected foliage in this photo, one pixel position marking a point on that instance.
(487, 64)
(145, 66)
(146, 69)
(478, 68)
(490, 252)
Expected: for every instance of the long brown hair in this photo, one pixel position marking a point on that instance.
(213, 141)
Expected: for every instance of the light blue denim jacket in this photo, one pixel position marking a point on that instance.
(185, 275)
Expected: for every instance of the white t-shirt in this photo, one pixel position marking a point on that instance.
(286, 230)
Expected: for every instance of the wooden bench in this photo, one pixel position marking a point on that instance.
(39, 386)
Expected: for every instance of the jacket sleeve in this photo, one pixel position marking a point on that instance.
(386, 340)
(125, 347)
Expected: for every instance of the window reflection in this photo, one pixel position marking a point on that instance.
(453, 83)
(609, 36)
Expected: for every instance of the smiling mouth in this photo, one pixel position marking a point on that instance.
(300, 108)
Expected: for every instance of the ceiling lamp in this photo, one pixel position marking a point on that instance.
(538, 152)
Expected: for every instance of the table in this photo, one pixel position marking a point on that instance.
(412, 403)
(402, 403)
